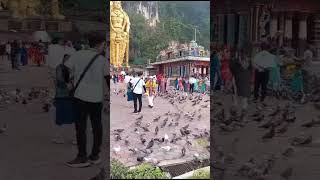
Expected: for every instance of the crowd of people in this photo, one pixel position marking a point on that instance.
(150, 86)
(246, 73)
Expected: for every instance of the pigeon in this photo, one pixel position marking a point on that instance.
(266, 125)
(258, 118)
(156, 119)
(288, 152)
(274, 113)
(119, 130)
(183, 151)
(269, 134)
(199, 117)
(142, 140)
(167, 148)
(156, 130)
(46, 107)
(133, 150)
(3, 129)
(117, 149)
(140, 159)
(164, 123)
(150, 144)
(118, 138)
(24, 101)
(291, 119)
(185, 127)
(166, 137)
(182, 132)
(126, 142)
(140, 118)
(138, 123)
(310, 123)
(287, 173)
(283, 129)
(145, 129)
(188, 143)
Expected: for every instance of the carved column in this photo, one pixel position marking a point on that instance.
(274, 24)
(288, 28)
(303, 32)
(243, 29)
(231, 29)
(282, 27)
(316, 40)
(221, 29)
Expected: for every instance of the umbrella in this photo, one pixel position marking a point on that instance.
(265, 60)
(123, 73)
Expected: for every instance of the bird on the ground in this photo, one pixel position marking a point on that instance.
(270, 134)
(126, 142)
(258, 118)
(183, 151)
(288, 152)
(119, 130)
(140, 118)
(283, 129)
(164, 123)
(156, 130)
(167, 148)
(310, 123)
(143, 141)
(118, 138)
(275, 112)
(138, 123)
(135, 150)
(188, 143)
(291, 119)
(145, 129)
(46, 107)
(185, 127)
(4, 128)
(267, 124)
(117, 149)
(287, 173)
(166, 137)
(150, 144)
(24, 101)
(156, 119)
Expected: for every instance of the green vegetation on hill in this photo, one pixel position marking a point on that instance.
(177, 22)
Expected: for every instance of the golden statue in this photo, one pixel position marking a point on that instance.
(29, 8)
(119, 35)
(55, 10)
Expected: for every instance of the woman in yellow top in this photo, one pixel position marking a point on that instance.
(151, 86)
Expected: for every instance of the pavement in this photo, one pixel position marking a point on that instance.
(26, 150)
(122, 117)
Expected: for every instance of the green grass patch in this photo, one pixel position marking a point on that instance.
(200, 174)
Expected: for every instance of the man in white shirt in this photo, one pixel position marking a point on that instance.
(56, 53)
(138, 85)
(192, 81)
(89, 98)
(307, 56)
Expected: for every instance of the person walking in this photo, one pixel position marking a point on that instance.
(241, 70)
(14, 55)
(216, 70)
(262, 73)
(89, 68)
(192, 81)
(138, 86)
(151, 86)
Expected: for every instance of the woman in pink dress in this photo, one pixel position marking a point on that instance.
(225, 70)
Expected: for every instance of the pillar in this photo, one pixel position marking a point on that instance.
(274, 24)
(316, 41)
(303, 33)
(231, 29)
(221, 29)
(288, 28)
(282, 27)
(243, 30)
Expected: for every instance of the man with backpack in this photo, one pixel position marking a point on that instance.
(89, 68)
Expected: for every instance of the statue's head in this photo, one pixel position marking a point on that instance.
(117, 4)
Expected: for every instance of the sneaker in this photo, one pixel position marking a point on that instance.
(94, 159)
(79, 163)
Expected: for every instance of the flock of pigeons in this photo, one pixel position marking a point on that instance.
(275, 121)
(171, 132)
(17, 96)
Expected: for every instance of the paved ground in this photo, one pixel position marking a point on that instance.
(121, 117)
(26, 151)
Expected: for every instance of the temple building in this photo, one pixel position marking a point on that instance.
(182, 60)
(237, 23)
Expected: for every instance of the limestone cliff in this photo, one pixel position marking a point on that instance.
(149, 9)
